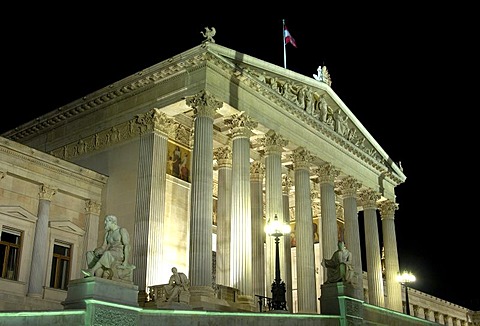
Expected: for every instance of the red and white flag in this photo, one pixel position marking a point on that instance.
(288, 38)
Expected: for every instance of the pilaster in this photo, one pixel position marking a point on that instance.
(40, 243)
(150, 200)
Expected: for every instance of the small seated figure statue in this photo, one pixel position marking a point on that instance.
(177, 285)
(339, 267)
(110, 260)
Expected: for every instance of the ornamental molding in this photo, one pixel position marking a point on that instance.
(30, 160)
(121, 90)
(121, 133)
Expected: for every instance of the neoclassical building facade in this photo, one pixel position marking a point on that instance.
(194, 155)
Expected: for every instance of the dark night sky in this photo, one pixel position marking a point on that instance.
(403, 72)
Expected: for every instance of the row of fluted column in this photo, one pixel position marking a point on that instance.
(240, 216)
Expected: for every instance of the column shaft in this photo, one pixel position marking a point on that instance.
(201, 210)
(372, 247)
(91, 229)
(202, 204)
(258, 233)
(274, 205)
(224, 200)
(306, 287)
(374, 266)
(327, 174)
(40, 244)
(352, 231)
(329, 219)
(288, 249)
(392, 269)
(241, 241)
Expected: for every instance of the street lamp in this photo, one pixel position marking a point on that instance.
(404, 278)
(276, 229)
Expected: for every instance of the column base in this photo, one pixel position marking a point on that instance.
(203, 298)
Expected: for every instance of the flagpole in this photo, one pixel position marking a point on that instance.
(284, 46)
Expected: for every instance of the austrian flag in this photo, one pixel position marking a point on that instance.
(288, 38)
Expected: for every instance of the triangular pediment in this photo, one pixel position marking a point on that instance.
(309, 100)
(18, 212)
(67, 226)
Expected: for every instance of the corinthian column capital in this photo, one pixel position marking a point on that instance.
(327, 173)
(241, 125)
(47, 192)
(349, 186)
(301, 158)
(154, 120)
(274, 142)
(369, 198)
(204, 104)
(387, 209)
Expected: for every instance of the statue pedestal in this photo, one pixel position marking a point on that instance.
(181, 304)
(203, 298)
(333, 296)
(95, 288)
(174, 306)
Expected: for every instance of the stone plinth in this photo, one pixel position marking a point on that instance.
(102, 289)
(173, 306)
(333, 296)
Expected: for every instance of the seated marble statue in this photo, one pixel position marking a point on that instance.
(177, 284)
(339, 267)
(110, 260)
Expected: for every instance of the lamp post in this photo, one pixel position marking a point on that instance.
(404, 278)
(276, 229)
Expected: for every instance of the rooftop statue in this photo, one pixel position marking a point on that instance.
(209, 34)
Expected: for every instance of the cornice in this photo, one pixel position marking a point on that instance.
(76, 175)
(120, 90)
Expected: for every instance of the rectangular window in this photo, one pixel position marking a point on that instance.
(60, 273)
(10, 245)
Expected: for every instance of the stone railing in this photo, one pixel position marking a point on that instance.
(156, 293)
